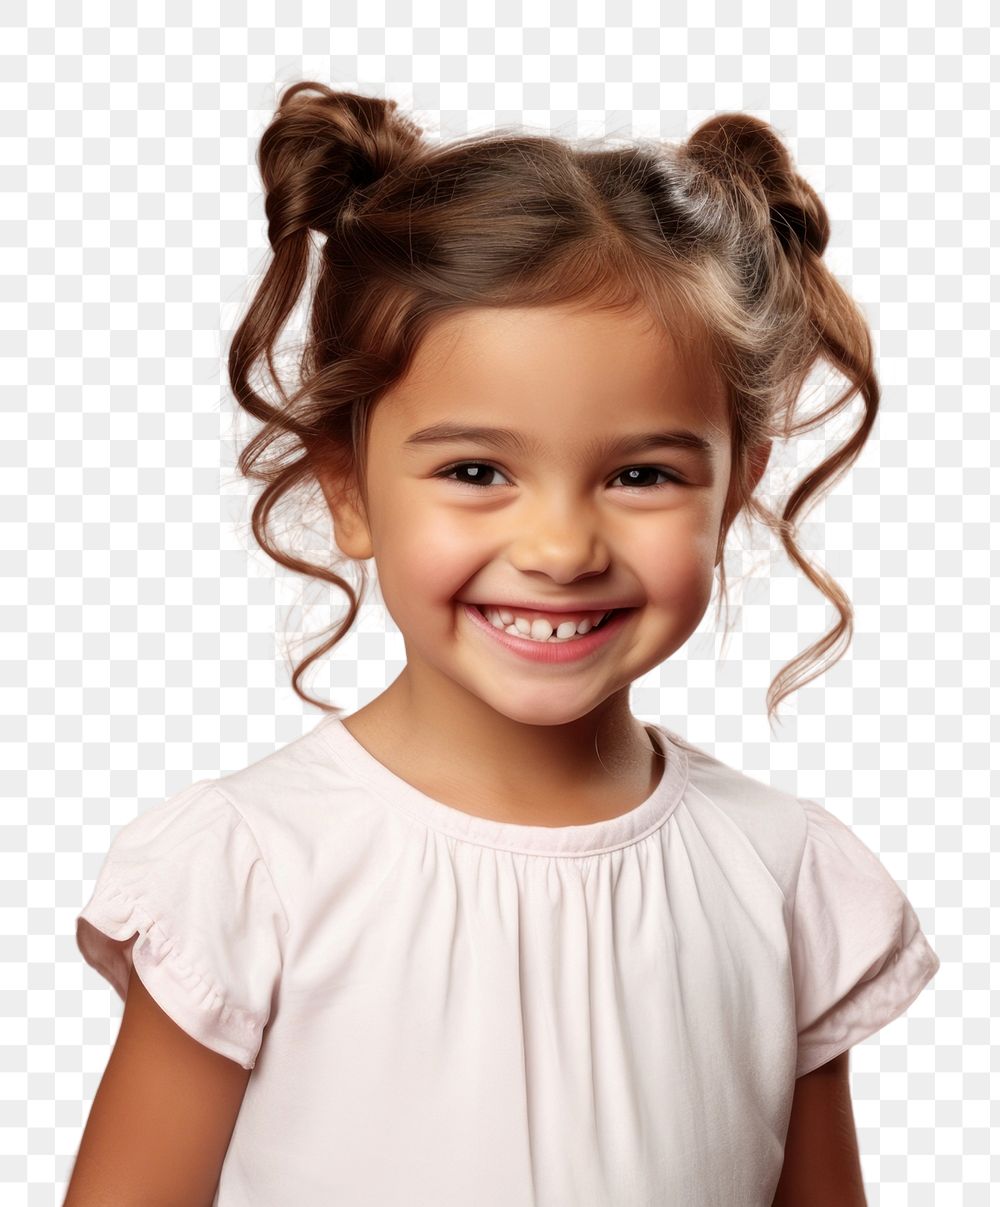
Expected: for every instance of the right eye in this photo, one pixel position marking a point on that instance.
(464, 465)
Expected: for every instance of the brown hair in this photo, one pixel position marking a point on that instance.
(718, 237)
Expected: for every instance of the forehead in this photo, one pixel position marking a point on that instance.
(543, 368)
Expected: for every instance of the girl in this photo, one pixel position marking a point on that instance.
(490, 940)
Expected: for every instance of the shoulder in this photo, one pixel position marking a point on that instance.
(315, 823)
(773, 821)
(291, 789)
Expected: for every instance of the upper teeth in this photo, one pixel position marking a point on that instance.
(540, 628)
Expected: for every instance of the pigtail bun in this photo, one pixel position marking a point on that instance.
(777, 241)
(321, 148)
(748, 158)
(316, 156)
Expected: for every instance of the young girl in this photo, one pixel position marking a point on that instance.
(490, 941)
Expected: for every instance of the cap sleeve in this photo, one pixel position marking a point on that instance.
(859, 957)
(185, 896)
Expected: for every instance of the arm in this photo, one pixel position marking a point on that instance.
(162, 1118)
(822, 1164)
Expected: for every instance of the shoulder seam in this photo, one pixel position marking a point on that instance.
(239, 813)
(801, 802)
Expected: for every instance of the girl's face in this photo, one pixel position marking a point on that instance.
(549, 514)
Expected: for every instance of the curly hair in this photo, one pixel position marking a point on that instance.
(718, 237)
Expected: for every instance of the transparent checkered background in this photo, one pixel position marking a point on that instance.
(148, 643)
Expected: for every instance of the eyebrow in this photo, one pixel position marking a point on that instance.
(509, 440)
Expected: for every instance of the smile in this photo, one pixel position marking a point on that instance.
(541, 627)
(546, 648)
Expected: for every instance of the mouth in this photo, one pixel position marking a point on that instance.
(594, 628)
(552, 649)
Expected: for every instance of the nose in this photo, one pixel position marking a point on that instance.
(560, 539)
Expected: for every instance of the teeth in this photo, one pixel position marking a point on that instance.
(539, 629)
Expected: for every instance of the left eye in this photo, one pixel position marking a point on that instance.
(479, 466)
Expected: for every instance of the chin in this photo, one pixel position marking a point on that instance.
(545, 707)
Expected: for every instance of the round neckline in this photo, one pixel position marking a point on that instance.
(591, 838)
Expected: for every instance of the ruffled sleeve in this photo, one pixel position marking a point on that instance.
(859, 957)
(184, 895)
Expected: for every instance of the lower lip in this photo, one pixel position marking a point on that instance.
(552, 651)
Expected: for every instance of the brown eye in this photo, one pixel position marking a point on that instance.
(482, 470)
(632, 481)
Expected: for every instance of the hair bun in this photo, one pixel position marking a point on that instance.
(321, 148)
(740, 148)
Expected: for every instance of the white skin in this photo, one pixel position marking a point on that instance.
(466, 721)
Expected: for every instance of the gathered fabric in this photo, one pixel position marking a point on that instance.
(439, 1008)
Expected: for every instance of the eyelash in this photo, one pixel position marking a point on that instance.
(673, 479)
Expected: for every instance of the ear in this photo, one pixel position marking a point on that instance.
(351, 530)
(757, 459)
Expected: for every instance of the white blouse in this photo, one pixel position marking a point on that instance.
(442, 1010)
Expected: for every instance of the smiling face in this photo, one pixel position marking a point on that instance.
(560, 517)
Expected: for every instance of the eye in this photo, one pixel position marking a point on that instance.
(672, 479)
(464, 465)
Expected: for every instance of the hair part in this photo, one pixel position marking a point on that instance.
(717, 237)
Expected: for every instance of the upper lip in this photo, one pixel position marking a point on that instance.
(562, 606)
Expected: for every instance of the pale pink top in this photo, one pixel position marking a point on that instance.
(442, 1010)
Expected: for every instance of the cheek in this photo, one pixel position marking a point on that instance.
(426, 557)
(678, 573)
(678, 581)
